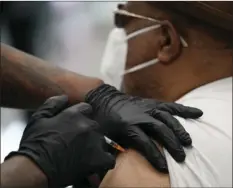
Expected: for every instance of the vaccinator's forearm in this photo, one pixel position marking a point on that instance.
(27, 81)
(21, 172)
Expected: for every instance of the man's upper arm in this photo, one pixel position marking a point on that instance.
(133, 170)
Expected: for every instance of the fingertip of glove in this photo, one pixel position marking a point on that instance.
(59, 98)
(84, 108)
(187, 142)
(181, 157)
(164, 169)
(185, 139)
(160, 164)
(64, 97)
(195, 113)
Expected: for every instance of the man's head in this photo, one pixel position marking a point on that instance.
(207, 58)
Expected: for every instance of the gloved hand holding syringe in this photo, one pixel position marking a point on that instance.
(94, 179)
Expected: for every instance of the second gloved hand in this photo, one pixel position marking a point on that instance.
(134, 122)
(63, 143)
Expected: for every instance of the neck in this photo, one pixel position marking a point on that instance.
(193, 71)
(169, 83)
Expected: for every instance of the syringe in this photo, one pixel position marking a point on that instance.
(114, 144)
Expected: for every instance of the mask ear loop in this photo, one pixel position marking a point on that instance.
(144, 65)
(140, 66)
(149, 63)
(131, 35)
(183, 42)
(126, 13)
(144, 30)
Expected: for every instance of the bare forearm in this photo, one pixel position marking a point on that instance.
(21, 172)
(26, 81)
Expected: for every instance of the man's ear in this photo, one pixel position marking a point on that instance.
(170, 43)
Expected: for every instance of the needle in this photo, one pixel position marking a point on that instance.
(114, 144)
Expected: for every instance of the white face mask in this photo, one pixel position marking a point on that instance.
(114, 58)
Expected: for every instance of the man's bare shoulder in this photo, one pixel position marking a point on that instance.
(133, 170)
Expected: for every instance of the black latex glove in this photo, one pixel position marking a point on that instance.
(133, 121)
(64, 144)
